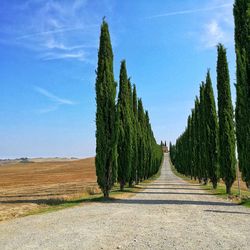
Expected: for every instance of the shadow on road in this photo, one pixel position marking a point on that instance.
(172, 202)
(172, 193)
(226, 212)
(171, 184)
(184, 188)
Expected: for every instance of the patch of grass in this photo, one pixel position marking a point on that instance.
(52, 205)
(245, 203)
(220, 190)
(173, 169)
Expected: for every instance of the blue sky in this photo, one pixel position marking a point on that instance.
(49, 54)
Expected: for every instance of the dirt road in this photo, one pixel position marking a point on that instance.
(168, 214)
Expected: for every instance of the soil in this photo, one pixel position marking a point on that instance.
(28, 186)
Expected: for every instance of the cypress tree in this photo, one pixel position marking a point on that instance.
(211, 126)
(242, 112)
(106, 127)
(227, 158)
(203, 138)
(133, 136)
(198, 167)
(124, 145)
(134, 170)
(189, 147)
(193, 143)
(149, 147)
(141, 141)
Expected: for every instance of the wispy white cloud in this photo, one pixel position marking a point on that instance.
(47, 110)
(190, 11)
(53, 97)
(213, 34)
(56, 29)
(48, 32)
(215, 24)
(218, 27)
(55, 100)
(79, 55)
(51, 43)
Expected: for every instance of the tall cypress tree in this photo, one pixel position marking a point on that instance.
(149, 148)
(211, 127)
(106, 130)
(124, 145)
(203, 138)
(133, 136)
(134, 168)
(197, 124)
(192, 144)
(227, 158)
(141, 141)
(242, 47)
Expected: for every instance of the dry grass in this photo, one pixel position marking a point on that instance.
(25, 187)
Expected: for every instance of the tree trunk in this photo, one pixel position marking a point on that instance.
(106, 194)
(130, 183)
(228, 189)
(205, 181)
(214, 184)
(122, 184)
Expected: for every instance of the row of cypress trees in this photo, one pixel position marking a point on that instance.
(206, 149)
(126, 150)
(224, 152)
(242, 111)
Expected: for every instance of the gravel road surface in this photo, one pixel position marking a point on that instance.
(168, 214)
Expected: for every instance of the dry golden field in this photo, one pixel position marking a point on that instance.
(25, 187)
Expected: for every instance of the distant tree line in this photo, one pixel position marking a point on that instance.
(126, 150)
(207, 148)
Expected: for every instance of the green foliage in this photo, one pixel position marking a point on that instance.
(141, 141)
(126, 150)
(203, 136)
(206, 149)
(242, 112)
(195, 153)
(134, 167)
(197, 140)
(211, 131)
(227, 157)
(124, 145)
(106, 127)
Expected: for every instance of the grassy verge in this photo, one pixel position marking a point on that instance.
(220, 190)
(52, 205)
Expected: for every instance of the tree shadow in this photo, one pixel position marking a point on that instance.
(171, 188)
(172, 184)
(180, 193)
(226, 212)
(57, 201)
(171, 202)
(33, 195)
